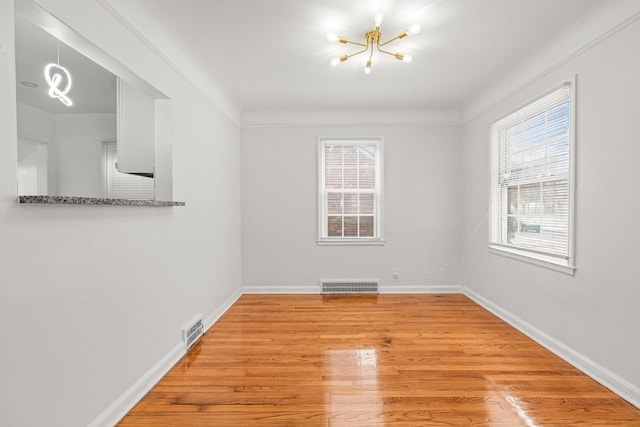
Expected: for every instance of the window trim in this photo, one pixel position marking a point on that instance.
(566, 264)
(322, 240)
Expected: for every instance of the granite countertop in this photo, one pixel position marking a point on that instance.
(64, 200)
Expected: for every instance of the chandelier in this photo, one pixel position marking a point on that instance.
(373, 42)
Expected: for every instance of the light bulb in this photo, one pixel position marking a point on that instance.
(335, 62)
(407, 58)
(333, 37)
(377, 18)
(414, 29)
(56, 75)
(367, 68)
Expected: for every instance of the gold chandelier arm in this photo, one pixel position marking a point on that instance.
(371, 54)
(388, 53)
(347, 41)
(399, 36)
(366, 47)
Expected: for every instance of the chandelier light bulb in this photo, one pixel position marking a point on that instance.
(367, 68)
(335, 62)
(377, 18)
(333, 37)
(407, 58)
(414, 29)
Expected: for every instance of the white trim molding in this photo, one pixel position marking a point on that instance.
(201, 82)
(612, 381)
(282, 289)
(350, 118)
(127, 400)
(602, 25)
(420, 289)
(383, 289)
(535, 259)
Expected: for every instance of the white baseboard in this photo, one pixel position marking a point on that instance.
(127, 400)
(216, 315)
(420, 289)
(273, 289)
(384, 289)
(612, 381)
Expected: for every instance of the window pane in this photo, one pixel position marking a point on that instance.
(334, 203)
(366, 203)
(367, 165)
(558, 166)
(333, 167)
(366, 226)
(558, 122)
(512, 200)
(512, 227)
(555, 196)
(334, 226)
(350, 167)
(530, 205)
(351, 204)
(350, 226)
(533, 131)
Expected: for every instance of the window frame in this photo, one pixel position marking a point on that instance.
(565, 264)
(322, 209)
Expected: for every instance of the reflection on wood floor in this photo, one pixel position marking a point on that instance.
(401, 360)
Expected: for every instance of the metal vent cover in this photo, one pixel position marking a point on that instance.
(192, 332)
(349, 286)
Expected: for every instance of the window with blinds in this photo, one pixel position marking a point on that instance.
(350, 191)
(118, 185)
(532, 179)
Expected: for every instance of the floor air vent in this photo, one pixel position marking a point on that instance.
(349, 286)
(192, 332)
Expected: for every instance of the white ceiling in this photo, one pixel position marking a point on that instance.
(273, 54)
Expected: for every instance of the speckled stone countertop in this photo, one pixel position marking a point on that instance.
(63, 200)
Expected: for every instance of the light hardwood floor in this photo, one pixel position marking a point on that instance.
(401, 360)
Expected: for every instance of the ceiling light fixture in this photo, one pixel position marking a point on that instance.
(373, 41)
(55, 74)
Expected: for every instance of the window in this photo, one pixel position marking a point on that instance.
(532, 181)
(350, 191)
(118, 185)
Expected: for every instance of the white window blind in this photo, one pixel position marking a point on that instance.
(532, 178)
(350, 190)
(118, 185)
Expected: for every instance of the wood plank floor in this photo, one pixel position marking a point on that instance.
(405, 360)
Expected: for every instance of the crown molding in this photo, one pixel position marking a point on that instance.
(350, 118)
(604, 24)
(211, 91)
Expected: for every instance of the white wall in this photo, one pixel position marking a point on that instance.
(593, 317)
(279, 210)
(93, 297)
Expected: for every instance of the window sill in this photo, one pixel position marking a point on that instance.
(351, 242)
(536, 259)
